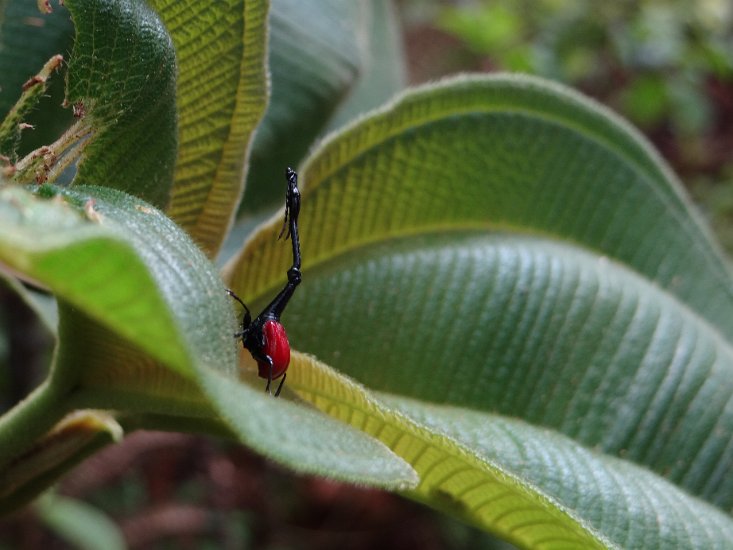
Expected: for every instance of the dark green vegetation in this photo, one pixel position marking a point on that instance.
(510, 310)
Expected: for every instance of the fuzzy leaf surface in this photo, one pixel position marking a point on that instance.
(528, 485)
(221, 96)
(145, 326)
(504, 246)
(122, 75)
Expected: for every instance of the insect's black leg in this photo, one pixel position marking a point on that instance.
(292, 203)
(280, 387)
(269, 373)
(286, 226)
(262, 358)
(247, 318)
(237, 298)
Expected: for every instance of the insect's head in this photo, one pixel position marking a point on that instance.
(290, 175)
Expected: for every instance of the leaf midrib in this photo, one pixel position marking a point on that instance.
(449, 447)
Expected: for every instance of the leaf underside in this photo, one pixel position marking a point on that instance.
(221, 96)
(502, 246)
(146, 327)
(122, 71)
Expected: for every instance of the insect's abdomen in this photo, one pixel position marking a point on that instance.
(277, 347)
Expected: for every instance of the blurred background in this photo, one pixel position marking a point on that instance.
(665, 65)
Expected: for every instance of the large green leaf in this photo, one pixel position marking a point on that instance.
(534, 329)
(502, 245)
(514, 153)
(121, 266)
(528, 485)
(622, 503)
(75, 246)
(146, 327)
(221, 95)
(122, 72)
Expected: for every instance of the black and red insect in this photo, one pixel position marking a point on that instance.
(265, 337)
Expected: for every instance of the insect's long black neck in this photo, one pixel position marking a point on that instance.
(292, 209)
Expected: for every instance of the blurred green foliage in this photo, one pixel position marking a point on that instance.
(649, 59)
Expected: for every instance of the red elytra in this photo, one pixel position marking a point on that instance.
(277, 348)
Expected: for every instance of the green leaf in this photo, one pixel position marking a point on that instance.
(146, 327)
(221, 96)
(501, 245)
(532, 328)
(530, 486)
(122, 76)
(81, 525)
(624, 504)
(503, 152)
(310, 75)
(121, 272)
(79, 249)
(76, 437)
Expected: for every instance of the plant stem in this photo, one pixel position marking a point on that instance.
(49, 161)
(30, 419)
